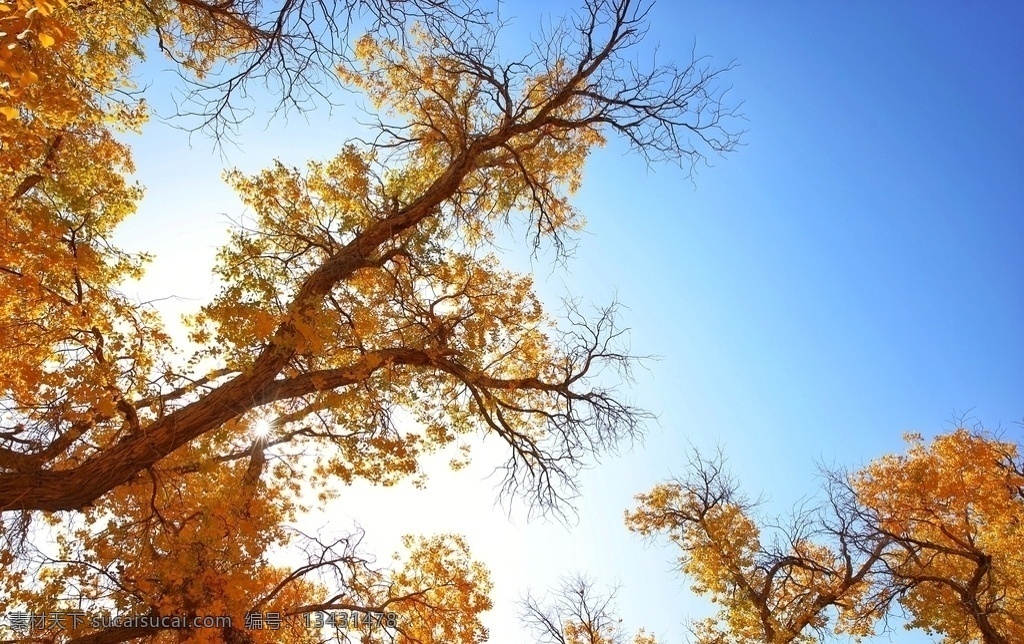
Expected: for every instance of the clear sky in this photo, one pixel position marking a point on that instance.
(854, 272)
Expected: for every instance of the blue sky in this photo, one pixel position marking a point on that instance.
(851, 273)
(855, 269)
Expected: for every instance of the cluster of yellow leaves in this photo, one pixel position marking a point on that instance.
(431, 299)
(201, 35)
(440, 592)
(194, 537)
(581, 633)
(65, 89)
(958, 503)
(719, 544)
(445, 108)
(941, 533)
(172, 543)
(65, 332)
(724, 556)
(24, 26)
(643, 637)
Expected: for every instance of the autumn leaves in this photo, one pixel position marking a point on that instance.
(24, 25)
(363, 306)
(361, 291)
(936, 530)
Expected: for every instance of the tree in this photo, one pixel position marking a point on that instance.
(576, 614)
(952, 511)
(936, 530)
(770, 590)
(357, 288)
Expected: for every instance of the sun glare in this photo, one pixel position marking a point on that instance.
(261, 428)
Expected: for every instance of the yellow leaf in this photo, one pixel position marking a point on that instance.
(46, 40)
(44, 8)
(10, 112)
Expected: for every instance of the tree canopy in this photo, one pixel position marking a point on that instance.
(935, 530)
(577, 613)
(355, 290)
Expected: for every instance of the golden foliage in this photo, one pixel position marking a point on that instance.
(765, 595)
(953, 509)
(937, 529)
(363, 315)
